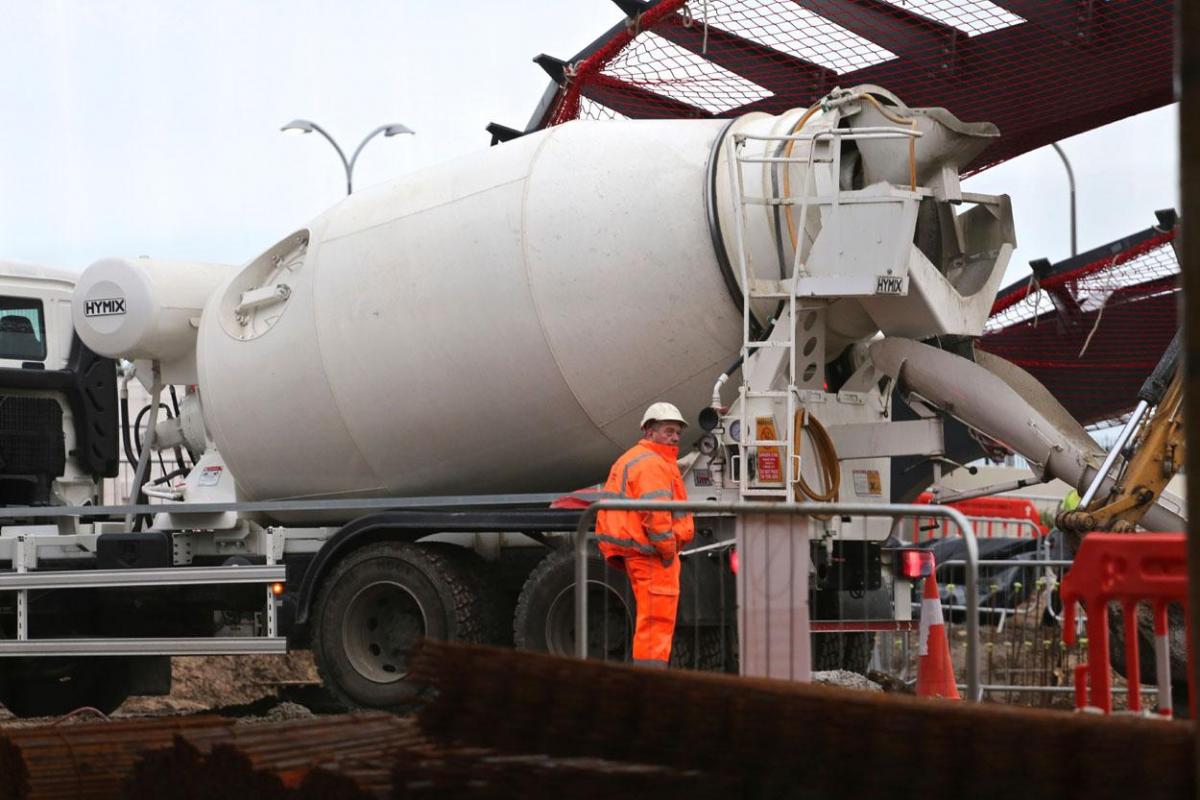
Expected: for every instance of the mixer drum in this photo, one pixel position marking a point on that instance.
(496, 324)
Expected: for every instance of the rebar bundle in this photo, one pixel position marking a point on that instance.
(88, 760)
(784, 739)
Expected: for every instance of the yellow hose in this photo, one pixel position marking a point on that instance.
(787, 171)
(827, 460)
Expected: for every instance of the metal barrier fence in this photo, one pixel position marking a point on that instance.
(1024, 656)
(894, 511)
(1017, 620)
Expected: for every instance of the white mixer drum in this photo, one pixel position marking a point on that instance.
(496, 324)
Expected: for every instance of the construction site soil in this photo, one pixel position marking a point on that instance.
(245, 686)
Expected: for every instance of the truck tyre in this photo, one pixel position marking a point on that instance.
(373, 608)
(53, 687)
(496, 605)
(850, 651)
(545, 615)
(702, 648)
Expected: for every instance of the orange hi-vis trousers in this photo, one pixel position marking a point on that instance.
(656, 590)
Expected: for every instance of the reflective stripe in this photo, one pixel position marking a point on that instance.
(632, 545)
(625, 473)
(680, 514)
(656, 493)
(665, 536)
(650, 663)
(598, 495)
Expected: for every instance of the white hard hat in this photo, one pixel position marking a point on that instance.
(662, 412)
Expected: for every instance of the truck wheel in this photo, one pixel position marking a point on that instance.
(703, 649)
(53, 687)
(375, 606)
(480, 575)
(545, 616)
(851, 651)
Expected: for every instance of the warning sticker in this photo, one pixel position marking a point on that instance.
(867, 483)
(770, 466)
(210, 476)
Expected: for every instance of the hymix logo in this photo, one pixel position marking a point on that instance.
(889, 284)
(107, 307)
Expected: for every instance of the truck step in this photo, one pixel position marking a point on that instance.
(783, 493)
(170, 576)
(186, 646)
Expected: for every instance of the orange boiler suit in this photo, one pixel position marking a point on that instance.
(647, 542)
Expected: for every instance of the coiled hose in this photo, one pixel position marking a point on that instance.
(828, 468)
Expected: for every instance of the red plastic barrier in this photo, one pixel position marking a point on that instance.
(985, 514)
(1129, 569)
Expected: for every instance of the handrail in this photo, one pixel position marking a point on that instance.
(892, 510)
(250, 506)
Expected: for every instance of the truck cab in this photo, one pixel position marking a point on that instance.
(58, 420)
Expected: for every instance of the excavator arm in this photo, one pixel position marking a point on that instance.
(1157, 453)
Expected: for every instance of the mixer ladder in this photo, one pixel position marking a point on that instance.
(768, 364)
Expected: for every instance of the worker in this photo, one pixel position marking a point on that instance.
(646, 544)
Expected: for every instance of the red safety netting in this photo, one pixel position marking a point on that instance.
(1093, 333)
(1041, 70)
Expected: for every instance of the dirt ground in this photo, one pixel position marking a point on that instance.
(205, 682)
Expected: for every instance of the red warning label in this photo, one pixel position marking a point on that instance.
(769, 463)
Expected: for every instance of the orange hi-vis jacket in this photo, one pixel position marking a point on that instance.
(647, 471)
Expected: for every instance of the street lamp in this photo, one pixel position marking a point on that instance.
(1071, 181)
(302, 126)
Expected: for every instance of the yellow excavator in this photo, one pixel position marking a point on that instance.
(1152, 442)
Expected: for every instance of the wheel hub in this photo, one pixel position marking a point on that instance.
(382, 624)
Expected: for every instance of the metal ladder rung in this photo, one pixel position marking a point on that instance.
(780, 492)
(766, 443)
(767, 344)
(768, 393)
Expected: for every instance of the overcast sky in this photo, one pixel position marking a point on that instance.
(139, 127)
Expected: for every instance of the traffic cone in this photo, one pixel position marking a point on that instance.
(935, 670)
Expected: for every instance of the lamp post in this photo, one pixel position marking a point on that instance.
(1071, 181)
(302, 126)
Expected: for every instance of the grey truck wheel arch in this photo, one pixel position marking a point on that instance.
(409, 526)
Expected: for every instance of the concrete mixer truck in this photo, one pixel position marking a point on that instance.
(380, 408)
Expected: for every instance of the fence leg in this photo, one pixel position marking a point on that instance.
(1162, 660)
(773, 564)
(1100, 682)
(1133, 664)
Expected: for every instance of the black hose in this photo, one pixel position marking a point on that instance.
(137, 439)
(179, 451)
(1156, 384)
(129, 456)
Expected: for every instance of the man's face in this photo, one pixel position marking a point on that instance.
(664, 433)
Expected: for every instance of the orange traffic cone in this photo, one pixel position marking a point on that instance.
(935, 670)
